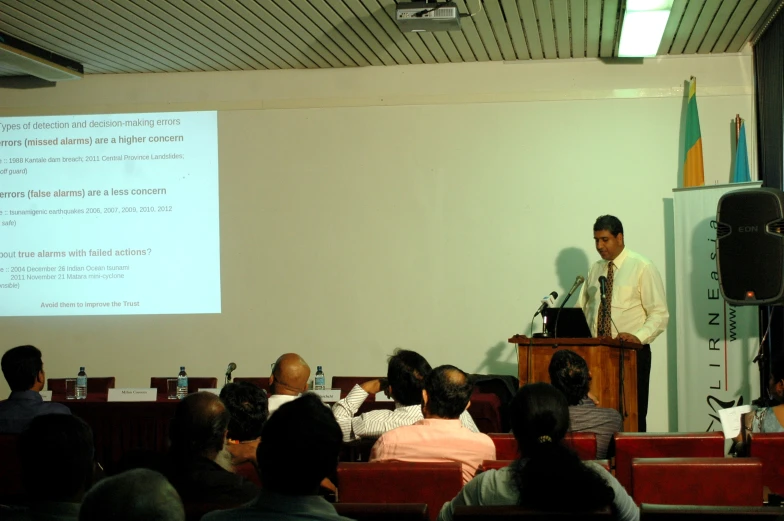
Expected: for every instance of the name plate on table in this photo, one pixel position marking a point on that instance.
(328, 395)
(210, 390)
(132, 395)
(46, 395)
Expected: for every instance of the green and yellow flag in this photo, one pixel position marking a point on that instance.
(693, 170)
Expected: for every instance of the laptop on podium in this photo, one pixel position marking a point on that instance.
(572, 323)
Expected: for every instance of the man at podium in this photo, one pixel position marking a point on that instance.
(623, 297)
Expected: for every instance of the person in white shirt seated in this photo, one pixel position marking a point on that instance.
(406, 373)
(549, 476)
(289, 379)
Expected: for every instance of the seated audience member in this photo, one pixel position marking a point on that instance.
(299, 447)
(58, 467)
(198, 464)
(289, 379)
(765, 419)
(549, 476)
(569, 374)
(24, 371)
(135, 495)
(247, 405)
(406, 373)
(771, 419)
(439, 436)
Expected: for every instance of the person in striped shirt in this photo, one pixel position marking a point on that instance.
(569, 374)
(406, 373)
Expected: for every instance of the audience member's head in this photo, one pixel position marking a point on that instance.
(550, 470)
(135, 495)
(23, 368)
(447, 393)
(406, 373)
(57, 455)
(199, 426)
(776, 382)
(569, 374)
(247, 405)
(299, 447)
(290, 375)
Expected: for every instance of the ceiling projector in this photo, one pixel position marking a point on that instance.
(427, 16)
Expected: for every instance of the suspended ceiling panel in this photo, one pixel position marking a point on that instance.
(122, 36)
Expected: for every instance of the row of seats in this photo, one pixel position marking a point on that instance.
(647, 513)
(671, 481)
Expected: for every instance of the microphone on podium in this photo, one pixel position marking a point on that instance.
(603, 287)
(229, 370)
(577, 282)
(547, 302)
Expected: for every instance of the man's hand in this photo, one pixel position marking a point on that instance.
(371, 386)
(593, 398)
(628, 337)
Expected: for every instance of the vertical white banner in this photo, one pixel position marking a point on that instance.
(716, 342)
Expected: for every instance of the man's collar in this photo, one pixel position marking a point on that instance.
(441, 422)
(618, 261)
(269, 500)
(31, 395)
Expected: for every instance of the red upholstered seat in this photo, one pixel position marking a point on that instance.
(483, 513)
(697, 481)
(485, 409)
(505, 445)
(706, 513)
(583, 443)
(399, 482)
(95, 385)
(383, 511)
(769, 448)
(262, 382)
(194, 383)
(629, 445)
(496, 464)
(10, 468)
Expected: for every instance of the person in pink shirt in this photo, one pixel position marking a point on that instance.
(440, 436)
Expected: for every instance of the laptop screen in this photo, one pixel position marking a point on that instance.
(571, 324)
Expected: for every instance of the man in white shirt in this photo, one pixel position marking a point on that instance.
(635, 307)
(406, 373)
(289, 379)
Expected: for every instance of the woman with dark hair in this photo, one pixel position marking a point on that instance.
(549, 475)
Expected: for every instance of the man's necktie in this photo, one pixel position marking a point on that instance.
(605, 310)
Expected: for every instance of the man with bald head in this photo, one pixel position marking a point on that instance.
(289, 379)
(440, 436)
(198, 462)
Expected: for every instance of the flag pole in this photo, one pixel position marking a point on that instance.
(737, 128)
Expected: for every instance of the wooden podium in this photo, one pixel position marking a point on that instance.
(614, 383)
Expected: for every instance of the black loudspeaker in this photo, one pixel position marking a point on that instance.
(750, 247)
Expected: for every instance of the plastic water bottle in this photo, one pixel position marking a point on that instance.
(81, 384)
(182, 383)
(318, 382)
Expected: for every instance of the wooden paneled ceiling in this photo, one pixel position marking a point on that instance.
(126, 36)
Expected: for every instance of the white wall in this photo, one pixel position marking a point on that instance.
(427, 207)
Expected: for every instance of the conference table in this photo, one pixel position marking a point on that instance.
(123, 427)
